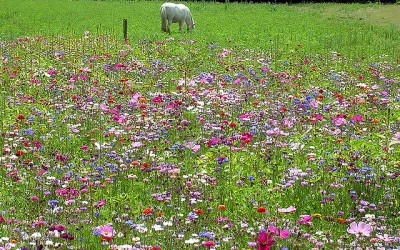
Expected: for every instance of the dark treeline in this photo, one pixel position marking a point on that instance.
(309, 1)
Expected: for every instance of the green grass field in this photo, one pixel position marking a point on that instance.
(355, 29)
(267, 127)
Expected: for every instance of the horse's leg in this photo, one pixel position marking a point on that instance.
(180, 25)
(169, 25)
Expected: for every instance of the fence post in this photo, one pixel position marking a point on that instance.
(125, 27)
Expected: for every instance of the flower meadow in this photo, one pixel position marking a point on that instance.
(177, 143)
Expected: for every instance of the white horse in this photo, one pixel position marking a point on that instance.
(175, 13)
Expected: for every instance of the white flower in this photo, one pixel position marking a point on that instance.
(158, 227)
(192, 241)
(36, 235)
(49, 243)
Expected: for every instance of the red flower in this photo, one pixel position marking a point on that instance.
(19, 153)
(20, 117)
(221, 207)
(105, 238)
(147, 211)
(199, 211)
(261, 210)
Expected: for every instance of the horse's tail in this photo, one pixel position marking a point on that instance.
(163, 13)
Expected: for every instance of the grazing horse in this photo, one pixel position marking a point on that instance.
(175, 13)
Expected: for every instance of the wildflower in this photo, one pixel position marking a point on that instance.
(208, 244)
(360, 228)
(221, 207)
(282, 233)
(100, 203)
(199, 211)
(148, 211)
(318, 216)
(34, 198)
(304, 219)
(386, 238)
(261, 210)
(287, 210)
(106, 232)
(265, 240)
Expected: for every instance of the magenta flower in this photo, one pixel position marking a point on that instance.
(360, 228)
(100, 203)
(357, 118)
(304, 219)
(282, 233)
(208, 244)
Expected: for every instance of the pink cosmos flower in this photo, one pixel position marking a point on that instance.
(385, 237)
(360, 228)
(357, 118)
(136, 144)
(304, 219)
(265, 240)
(245, 116)
(106, 230)
(192, 145)
(282, 233)
(287, 210)
(100, 203)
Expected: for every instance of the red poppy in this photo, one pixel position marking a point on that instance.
(261, 210)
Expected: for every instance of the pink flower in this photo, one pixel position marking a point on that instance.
(106, 231)
(357, 118)
(34, 198)
(282, 233)
(100, 203)
(385, 237)
(136, 144)
(359, 228)
(287, 210)
(245, 116)
(192, 145)
(208, 244)
(265, 240)
(304, 219)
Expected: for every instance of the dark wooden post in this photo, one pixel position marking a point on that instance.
(125, 27)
